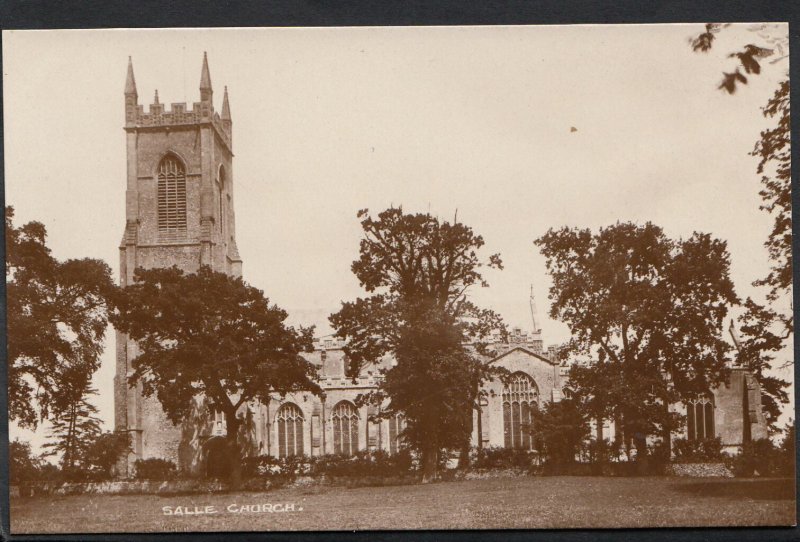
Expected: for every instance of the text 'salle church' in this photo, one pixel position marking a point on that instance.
(179, 208)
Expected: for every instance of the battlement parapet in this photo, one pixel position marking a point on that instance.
(364, 381)
(329, 343)
(178, 115)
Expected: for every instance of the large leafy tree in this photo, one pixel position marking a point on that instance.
(646, 314)
(57, 320)
(211, 335)
(419, 271)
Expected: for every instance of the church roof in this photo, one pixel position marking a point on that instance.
(527, 351)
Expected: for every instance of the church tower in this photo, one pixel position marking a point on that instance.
(179, 211)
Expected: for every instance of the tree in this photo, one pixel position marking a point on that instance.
(419, 271)
(773, 150)
(210, 335)
(57, 319)
(559, 429)
(646, 313)
(23, 466)
(101, 455)
(767, 329)
(762, 338)
(76, 426)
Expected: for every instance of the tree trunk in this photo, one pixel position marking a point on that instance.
(667, 433)
(642, 459)
(430, 460)
(69, 456)
(463, 456)
(234, 455)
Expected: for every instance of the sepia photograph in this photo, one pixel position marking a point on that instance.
(399, 278)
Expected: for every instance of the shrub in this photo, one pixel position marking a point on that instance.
(761, 457)
(23, 466)
(504, 458)
(155, 469)
(374, 463)
(788, 459)
(50, 473)
(601, 451)
(102, 456)
(266, 466)
(559, 431)
(697, 451)
(377, 463)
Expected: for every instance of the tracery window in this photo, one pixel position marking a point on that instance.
(396, 426)
(171, 195)
(345, 428)
(289, 420)
(700, 418)
(520, 397)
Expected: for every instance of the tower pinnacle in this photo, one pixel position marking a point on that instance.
(130, 81)
(226, 108)
(205, 81)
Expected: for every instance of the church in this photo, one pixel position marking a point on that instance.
(179, 208)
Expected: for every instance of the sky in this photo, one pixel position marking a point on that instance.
(517, 129)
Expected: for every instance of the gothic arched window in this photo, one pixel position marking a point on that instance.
(700, 418)
(171, 195)
(289, 420)
(520, 397)
(345, 428)
(396, 425)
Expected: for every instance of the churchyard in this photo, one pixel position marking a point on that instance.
(541, 502)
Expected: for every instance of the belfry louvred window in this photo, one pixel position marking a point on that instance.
(520, 397)
(171, 196)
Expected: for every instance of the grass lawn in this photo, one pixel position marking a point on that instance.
(534, 502)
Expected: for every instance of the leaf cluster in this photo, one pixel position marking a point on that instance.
(773, 149)
(748, 57)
